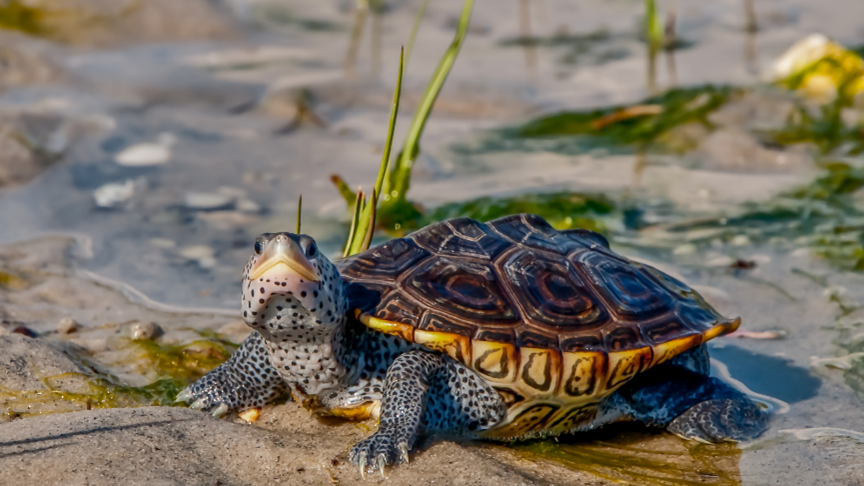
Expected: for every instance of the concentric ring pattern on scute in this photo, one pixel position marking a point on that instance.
(517, 280)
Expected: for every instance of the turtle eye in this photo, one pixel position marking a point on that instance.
(311, 250)
(257, 247)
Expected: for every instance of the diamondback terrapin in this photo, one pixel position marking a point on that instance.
(501, 330)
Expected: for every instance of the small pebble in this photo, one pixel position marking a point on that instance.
(113, 194)
(251, 415)
(147, 154)
(202, 254)
(248, 206)
(685, 249)
(204, 201)
(25, 331)
(236, 327)
(197, 252)
(145, 331)
(740, 240)
(163, 243)
(67, 325)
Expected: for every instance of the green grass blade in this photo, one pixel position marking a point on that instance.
(420, 12)
(401, 175)
(363, 222)
(355, 222)
(344, 190)
(388, 146)
(299, 210)
(653, 27)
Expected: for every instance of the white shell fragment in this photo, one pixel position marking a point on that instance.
(113, 194)
(148, 153)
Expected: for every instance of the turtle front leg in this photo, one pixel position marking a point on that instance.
(691, 405)
(246, 380)
(431, 392)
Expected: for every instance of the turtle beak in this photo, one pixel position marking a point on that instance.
(281, 255)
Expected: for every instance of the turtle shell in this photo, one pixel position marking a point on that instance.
(555, 320)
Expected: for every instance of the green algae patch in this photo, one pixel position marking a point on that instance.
(16, 15)
(272, 15)
(634, 125)
(563, 210)
(640, 458)
(825, 215)
(11, 281)
(70, 392)
(174, 366)
(181, 362)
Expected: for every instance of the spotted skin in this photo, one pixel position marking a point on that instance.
(246, 380)
(678, 396)
(308, 341)
(431, 392)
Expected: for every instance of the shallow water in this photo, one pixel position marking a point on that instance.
(229, 105)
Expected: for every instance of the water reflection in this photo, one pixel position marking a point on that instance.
(634, 456)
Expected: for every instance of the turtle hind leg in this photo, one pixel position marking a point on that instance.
(246, 380)
(690, 404)
(720, 420)
(430, 392)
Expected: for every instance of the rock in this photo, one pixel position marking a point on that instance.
(25, 331)
(29, 366)
(67, 325)
(236, 331)
(734, 149)
(19, 161)
(201, 254)
(24, 63)
(164, 243)
(248, 206)
(114, 194)
(144, 331)
(203, 201)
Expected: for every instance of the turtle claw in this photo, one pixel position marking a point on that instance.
(362, 463)
(381, 462)
(403, 452)
(183, 396)
(221, 410)
(197, 404)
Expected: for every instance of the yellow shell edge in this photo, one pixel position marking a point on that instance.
(495, 362)
(665, 351)
(624, 365)
(582, 375)
(456, 346)
(721, 329)
(539, 372)
(387, 327)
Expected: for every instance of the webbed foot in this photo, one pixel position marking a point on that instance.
(247, 380)
(377, 451)
(721, 420)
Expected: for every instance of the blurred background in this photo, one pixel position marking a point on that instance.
(723, 141)
(169, 134)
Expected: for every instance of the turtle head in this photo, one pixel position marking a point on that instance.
(288, 282)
